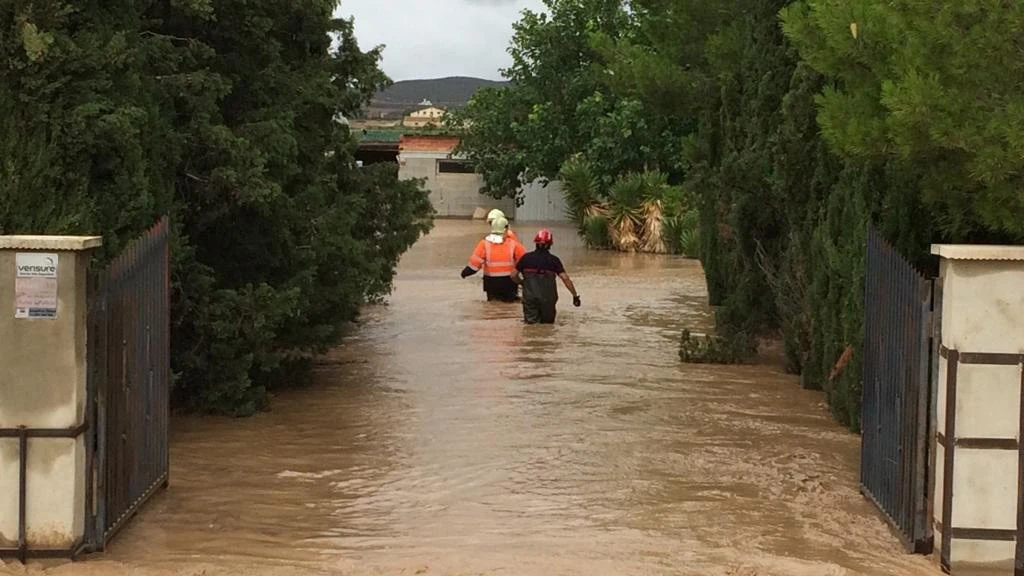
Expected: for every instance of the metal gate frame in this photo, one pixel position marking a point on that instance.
(127, 456)
(22, 552)
(897, 396)
(127, 410)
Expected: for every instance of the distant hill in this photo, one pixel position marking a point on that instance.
(405, 95)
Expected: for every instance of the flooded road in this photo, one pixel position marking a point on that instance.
(447, 438)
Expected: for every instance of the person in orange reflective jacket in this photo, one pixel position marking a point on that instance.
(497, 255)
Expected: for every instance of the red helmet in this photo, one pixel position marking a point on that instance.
(544, 237)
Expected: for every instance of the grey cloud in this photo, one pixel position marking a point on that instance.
(442, 38)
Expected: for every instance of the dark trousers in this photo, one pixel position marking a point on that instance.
(502, 297)
(501, 289)
(539, 312)
(540, 295)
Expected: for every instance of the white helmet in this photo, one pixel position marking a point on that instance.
(499, 226)
(494, 215)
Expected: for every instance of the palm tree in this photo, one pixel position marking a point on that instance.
(626, 196)
(583, 201)
(653, 213)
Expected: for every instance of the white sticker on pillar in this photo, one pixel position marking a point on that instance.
(35, 285)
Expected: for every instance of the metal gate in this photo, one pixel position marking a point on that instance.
(129, 384)
(896, 422)
(542, 203)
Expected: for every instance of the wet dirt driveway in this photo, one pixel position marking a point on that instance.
(447, 438)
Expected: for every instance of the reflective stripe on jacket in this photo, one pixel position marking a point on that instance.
(496, 259)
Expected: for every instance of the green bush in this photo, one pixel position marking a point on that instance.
(735, 348)
(689, 242)
(220, 115)
(595, 232)
(682, 234)
(580, 189)
(791, 124)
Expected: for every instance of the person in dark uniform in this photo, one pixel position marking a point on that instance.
(537, 271)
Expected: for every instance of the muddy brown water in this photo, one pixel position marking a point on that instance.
(447, 438)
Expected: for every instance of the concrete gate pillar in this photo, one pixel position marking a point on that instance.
(43, 313)
(979, 458)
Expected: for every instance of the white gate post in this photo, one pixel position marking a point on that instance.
(43, 393)
(979, 460)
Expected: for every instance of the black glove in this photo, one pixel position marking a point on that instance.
(467, 271)
(576, 301)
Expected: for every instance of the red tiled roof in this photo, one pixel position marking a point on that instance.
(428, 143)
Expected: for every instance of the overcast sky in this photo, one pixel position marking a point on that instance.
(438, 38)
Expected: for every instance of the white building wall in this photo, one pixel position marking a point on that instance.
(452, 195)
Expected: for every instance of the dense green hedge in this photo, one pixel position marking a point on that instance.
(794, 124)
(221, 114)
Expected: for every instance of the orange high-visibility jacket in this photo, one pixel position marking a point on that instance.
(496, 259)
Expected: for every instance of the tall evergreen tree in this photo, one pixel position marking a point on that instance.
(222, 114)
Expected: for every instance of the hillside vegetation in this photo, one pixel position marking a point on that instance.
(406, 95)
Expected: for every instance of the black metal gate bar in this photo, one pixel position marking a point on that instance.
(96, 457)
(130, 382)
(22, 493)
(922, 469)
(22, 433)
(896, 394)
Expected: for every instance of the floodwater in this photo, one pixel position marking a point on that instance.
(447, 438)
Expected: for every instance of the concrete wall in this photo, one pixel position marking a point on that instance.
(982, 312)
(453, 195)
(42, 385)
